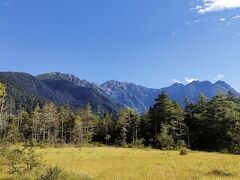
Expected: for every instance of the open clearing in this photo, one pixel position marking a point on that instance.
(120, 163)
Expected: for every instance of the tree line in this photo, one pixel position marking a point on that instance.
(208, 124)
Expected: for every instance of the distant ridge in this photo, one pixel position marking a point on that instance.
(26, 90)
(141, 98)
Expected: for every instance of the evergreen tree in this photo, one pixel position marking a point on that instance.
(65, 123)
(3, 94)
(166, 113)
(25, 124)
(160, 112)
(89, 121)
(122, 126)
(78, 130)
(223, 118)
(36, 123)
(103, 128)
(13, 135)
(50, 123)
(3, 123)
(194, 119)
(146, 130)
(133, 125)
(164, 140)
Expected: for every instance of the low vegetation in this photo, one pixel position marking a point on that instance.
(184, 151)
(124, 163)
(209, 125)
(19, 162)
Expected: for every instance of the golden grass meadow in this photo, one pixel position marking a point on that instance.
(122, 163)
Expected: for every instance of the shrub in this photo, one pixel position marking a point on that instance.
(184, 151)
(124, 146)
(56, 173)
(137, 144)
(52, 173)
(235, 149)
(181, 144)
(19, 160)
(43, 145)
(164, 140)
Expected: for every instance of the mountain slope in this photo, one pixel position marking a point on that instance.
(141, 98)
(137, 97)
(71, 90)
(196, 88)
(25, 91)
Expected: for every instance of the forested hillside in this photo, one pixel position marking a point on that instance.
(26, 91)
(209, 124)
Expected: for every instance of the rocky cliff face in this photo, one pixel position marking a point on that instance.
(137, 97)
(141, 98)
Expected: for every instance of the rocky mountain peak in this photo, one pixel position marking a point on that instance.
(67, 77)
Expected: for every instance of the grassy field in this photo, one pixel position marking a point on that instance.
(121, 164)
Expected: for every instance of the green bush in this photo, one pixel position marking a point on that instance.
(19, 160)
(164, 140)
(235, 149)
(56, 173)
(184, 151)
(52, 173)
(137, 144)
(181, 144)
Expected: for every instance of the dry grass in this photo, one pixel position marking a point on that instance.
(121, 164)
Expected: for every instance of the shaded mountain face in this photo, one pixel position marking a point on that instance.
(141, 98)
(26, 90)
(70, 90)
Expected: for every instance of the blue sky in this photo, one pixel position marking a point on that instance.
(152, 43)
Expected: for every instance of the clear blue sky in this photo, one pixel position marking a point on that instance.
(151, 43)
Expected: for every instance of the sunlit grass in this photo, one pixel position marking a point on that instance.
(120, 163)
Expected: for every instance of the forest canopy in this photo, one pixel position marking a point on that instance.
(209, 124)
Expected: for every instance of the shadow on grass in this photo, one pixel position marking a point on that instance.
(221, 173)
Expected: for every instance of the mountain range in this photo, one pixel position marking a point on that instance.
(141, 98)
(66, 89)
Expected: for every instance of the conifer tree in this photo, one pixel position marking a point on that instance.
(166, 113)
(89, 121)
(133, 125)
(36, 123)
(3, 94)
(122, 126)
(50, 123)
(3, 123)
(78, 130)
